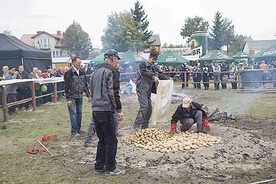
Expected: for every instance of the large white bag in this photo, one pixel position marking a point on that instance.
(162, 102)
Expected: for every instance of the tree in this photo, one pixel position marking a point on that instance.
(222, 32)
(119, 33)
(7, 32)
(76, 42)
(142, 34)
(238, 43)
(191, 25)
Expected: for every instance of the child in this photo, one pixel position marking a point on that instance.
(224, 82)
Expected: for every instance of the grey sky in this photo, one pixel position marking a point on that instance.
(250, 17)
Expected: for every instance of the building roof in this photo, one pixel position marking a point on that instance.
(27, 38)
(156, 39)
(44, 32)
(259, 44)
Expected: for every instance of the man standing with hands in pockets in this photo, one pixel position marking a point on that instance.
(105, 87)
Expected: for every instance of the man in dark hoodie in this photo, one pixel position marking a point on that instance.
(105, 86)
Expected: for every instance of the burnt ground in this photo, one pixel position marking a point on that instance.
(248, 154)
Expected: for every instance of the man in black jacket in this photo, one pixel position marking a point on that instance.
(105, 87)
(75, 84)
(188, 113)
(148, 76)
(23, 90)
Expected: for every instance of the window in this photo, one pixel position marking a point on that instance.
(54, 53)
(60, 53)
(57, 54)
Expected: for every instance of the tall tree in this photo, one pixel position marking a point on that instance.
(191, 25)
(238, 43)
(142, 34)
(222, 32)
(76, 42)
(119, 32)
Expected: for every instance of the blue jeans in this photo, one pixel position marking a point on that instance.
(91, 131)
(75, 112)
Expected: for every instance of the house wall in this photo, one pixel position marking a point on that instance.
(47, 43)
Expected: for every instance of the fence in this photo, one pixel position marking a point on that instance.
(252, 78)
(249, 78)
(33, 98)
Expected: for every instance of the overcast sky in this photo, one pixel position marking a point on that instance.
(250, 17)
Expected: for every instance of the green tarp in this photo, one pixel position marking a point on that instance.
(216, 55)
(100, 58)
(268, 54)
(130, 57)
(241, 55)
(172, 59)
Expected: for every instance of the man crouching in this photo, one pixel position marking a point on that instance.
(188, 113)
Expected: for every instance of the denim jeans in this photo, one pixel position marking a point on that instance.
(75, 112)
(107, 145)
(91, 131)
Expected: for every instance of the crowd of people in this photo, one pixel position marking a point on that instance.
(21, 91)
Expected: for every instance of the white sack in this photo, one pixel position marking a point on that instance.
(162, 102)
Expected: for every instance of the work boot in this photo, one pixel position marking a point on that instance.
(200, 129)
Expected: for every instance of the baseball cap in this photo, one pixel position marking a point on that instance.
(154, 55)
(186, 102)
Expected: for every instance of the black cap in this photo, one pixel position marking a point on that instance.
(154, 55)
(112, 53)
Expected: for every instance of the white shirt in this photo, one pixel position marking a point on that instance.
(77, 70)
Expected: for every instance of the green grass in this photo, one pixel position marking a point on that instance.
(24, 129)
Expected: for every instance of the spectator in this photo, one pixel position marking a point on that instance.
(23, 88)
(216, 75)
(36, 74)
(224, 81)
(11, 89)
(263, 66)
(60, 85)
(206, 71)
(232, 79)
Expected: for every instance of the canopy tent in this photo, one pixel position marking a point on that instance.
(216, 55)
(100, 58)
(241, 55)
(172, 59)
(14, 52)
(130, 57)
(268, 54)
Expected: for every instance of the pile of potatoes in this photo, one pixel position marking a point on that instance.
(158, 140)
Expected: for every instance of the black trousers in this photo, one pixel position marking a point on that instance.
(24, 93)
(11, 98)
(107, 145)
